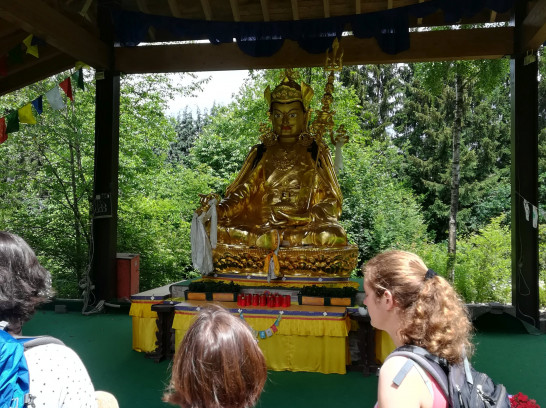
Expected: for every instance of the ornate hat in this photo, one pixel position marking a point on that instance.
(290, 91)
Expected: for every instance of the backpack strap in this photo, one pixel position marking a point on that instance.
(432, 364)
(29, 342)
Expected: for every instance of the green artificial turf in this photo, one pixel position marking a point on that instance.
(507, 353)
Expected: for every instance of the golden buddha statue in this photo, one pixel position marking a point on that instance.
(286, 198)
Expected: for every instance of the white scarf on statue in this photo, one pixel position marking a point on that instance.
(201, 245)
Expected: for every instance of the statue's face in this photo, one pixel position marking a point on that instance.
(288, 118)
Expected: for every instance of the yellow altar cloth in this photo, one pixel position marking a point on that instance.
(383, 345)
(309, 338)
(144, 324)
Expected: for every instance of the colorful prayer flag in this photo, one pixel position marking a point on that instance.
(54, 98)
(66, 86)
(26, 116)
(77, 77)
(38, 104)
(3, 133)
(31, 49)
(12, 122)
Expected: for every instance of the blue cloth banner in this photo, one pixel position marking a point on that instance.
(262, 39)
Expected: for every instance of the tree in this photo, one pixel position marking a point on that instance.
(49, 173)
(462, 76)
(380, 90)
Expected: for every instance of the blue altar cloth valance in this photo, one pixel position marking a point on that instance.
(262, 39)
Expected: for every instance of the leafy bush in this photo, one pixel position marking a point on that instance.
(315, 290)
(212, 286)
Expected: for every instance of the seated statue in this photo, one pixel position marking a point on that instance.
(286, 195)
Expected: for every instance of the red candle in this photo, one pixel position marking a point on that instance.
(263, 299)
(278, 300)
(286, 300)
(248, 299)
(255, 299)
(271, 301)
(240, 299)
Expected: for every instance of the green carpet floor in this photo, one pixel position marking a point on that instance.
(504, 350)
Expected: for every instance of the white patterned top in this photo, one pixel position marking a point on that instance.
(58, 378)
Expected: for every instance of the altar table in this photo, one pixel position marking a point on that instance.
(145, 321)
(308, 338)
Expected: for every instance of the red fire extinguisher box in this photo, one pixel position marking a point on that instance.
(127, 275)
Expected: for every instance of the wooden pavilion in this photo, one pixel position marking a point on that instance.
(252, 34)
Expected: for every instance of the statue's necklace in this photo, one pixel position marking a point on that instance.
(285, 157)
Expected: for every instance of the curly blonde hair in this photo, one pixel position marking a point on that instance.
(432, 314)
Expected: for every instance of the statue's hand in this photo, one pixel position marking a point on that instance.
(282, 216)
(324, 211)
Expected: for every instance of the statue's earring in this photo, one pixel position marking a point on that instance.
(267, 136)
(305, 138)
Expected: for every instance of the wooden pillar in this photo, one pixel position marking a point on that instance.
(105, 191)
(524, 177)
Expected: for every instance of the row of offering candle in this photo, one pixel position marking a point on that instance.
(264, 299)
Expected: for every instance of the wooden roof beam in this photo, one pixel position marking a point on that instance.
(295, 12)
(235, 10)
(175, 10)
(265, 9)
(426, 46)
(142, 6)
(534, 28)
(326, 4)
(206, 9)
(51, 62)
(36, 17)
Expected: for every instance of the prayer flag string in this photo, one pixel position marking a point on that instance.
(26, 114)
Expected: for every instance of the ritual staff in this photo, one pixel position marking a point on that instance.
(415, 307)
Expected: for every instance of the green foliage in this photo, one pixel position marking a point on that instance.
(379, 212)
(47, 183)
(424, 133)
(483, 270)
(315, 290)
(213, 286)
(483, 266)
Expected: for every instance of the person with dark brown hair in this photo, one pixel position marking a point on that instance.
(58, 377)
(417, 307)
(218, 364)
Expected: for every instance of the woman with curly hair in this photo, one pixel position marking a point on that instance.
(58, 377)
(417, 307)
(218, 364)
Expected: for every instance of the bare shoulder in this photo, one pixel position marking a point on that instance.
(412, 392)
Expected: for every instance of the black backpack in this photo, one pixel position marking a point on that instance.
(463, 386)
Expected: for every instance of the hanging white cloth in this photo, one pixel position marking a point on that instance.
(338, 162)
(273, 265)
(201, 245)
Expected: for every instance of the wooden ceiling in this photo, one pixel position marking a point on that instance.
(71, 33)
